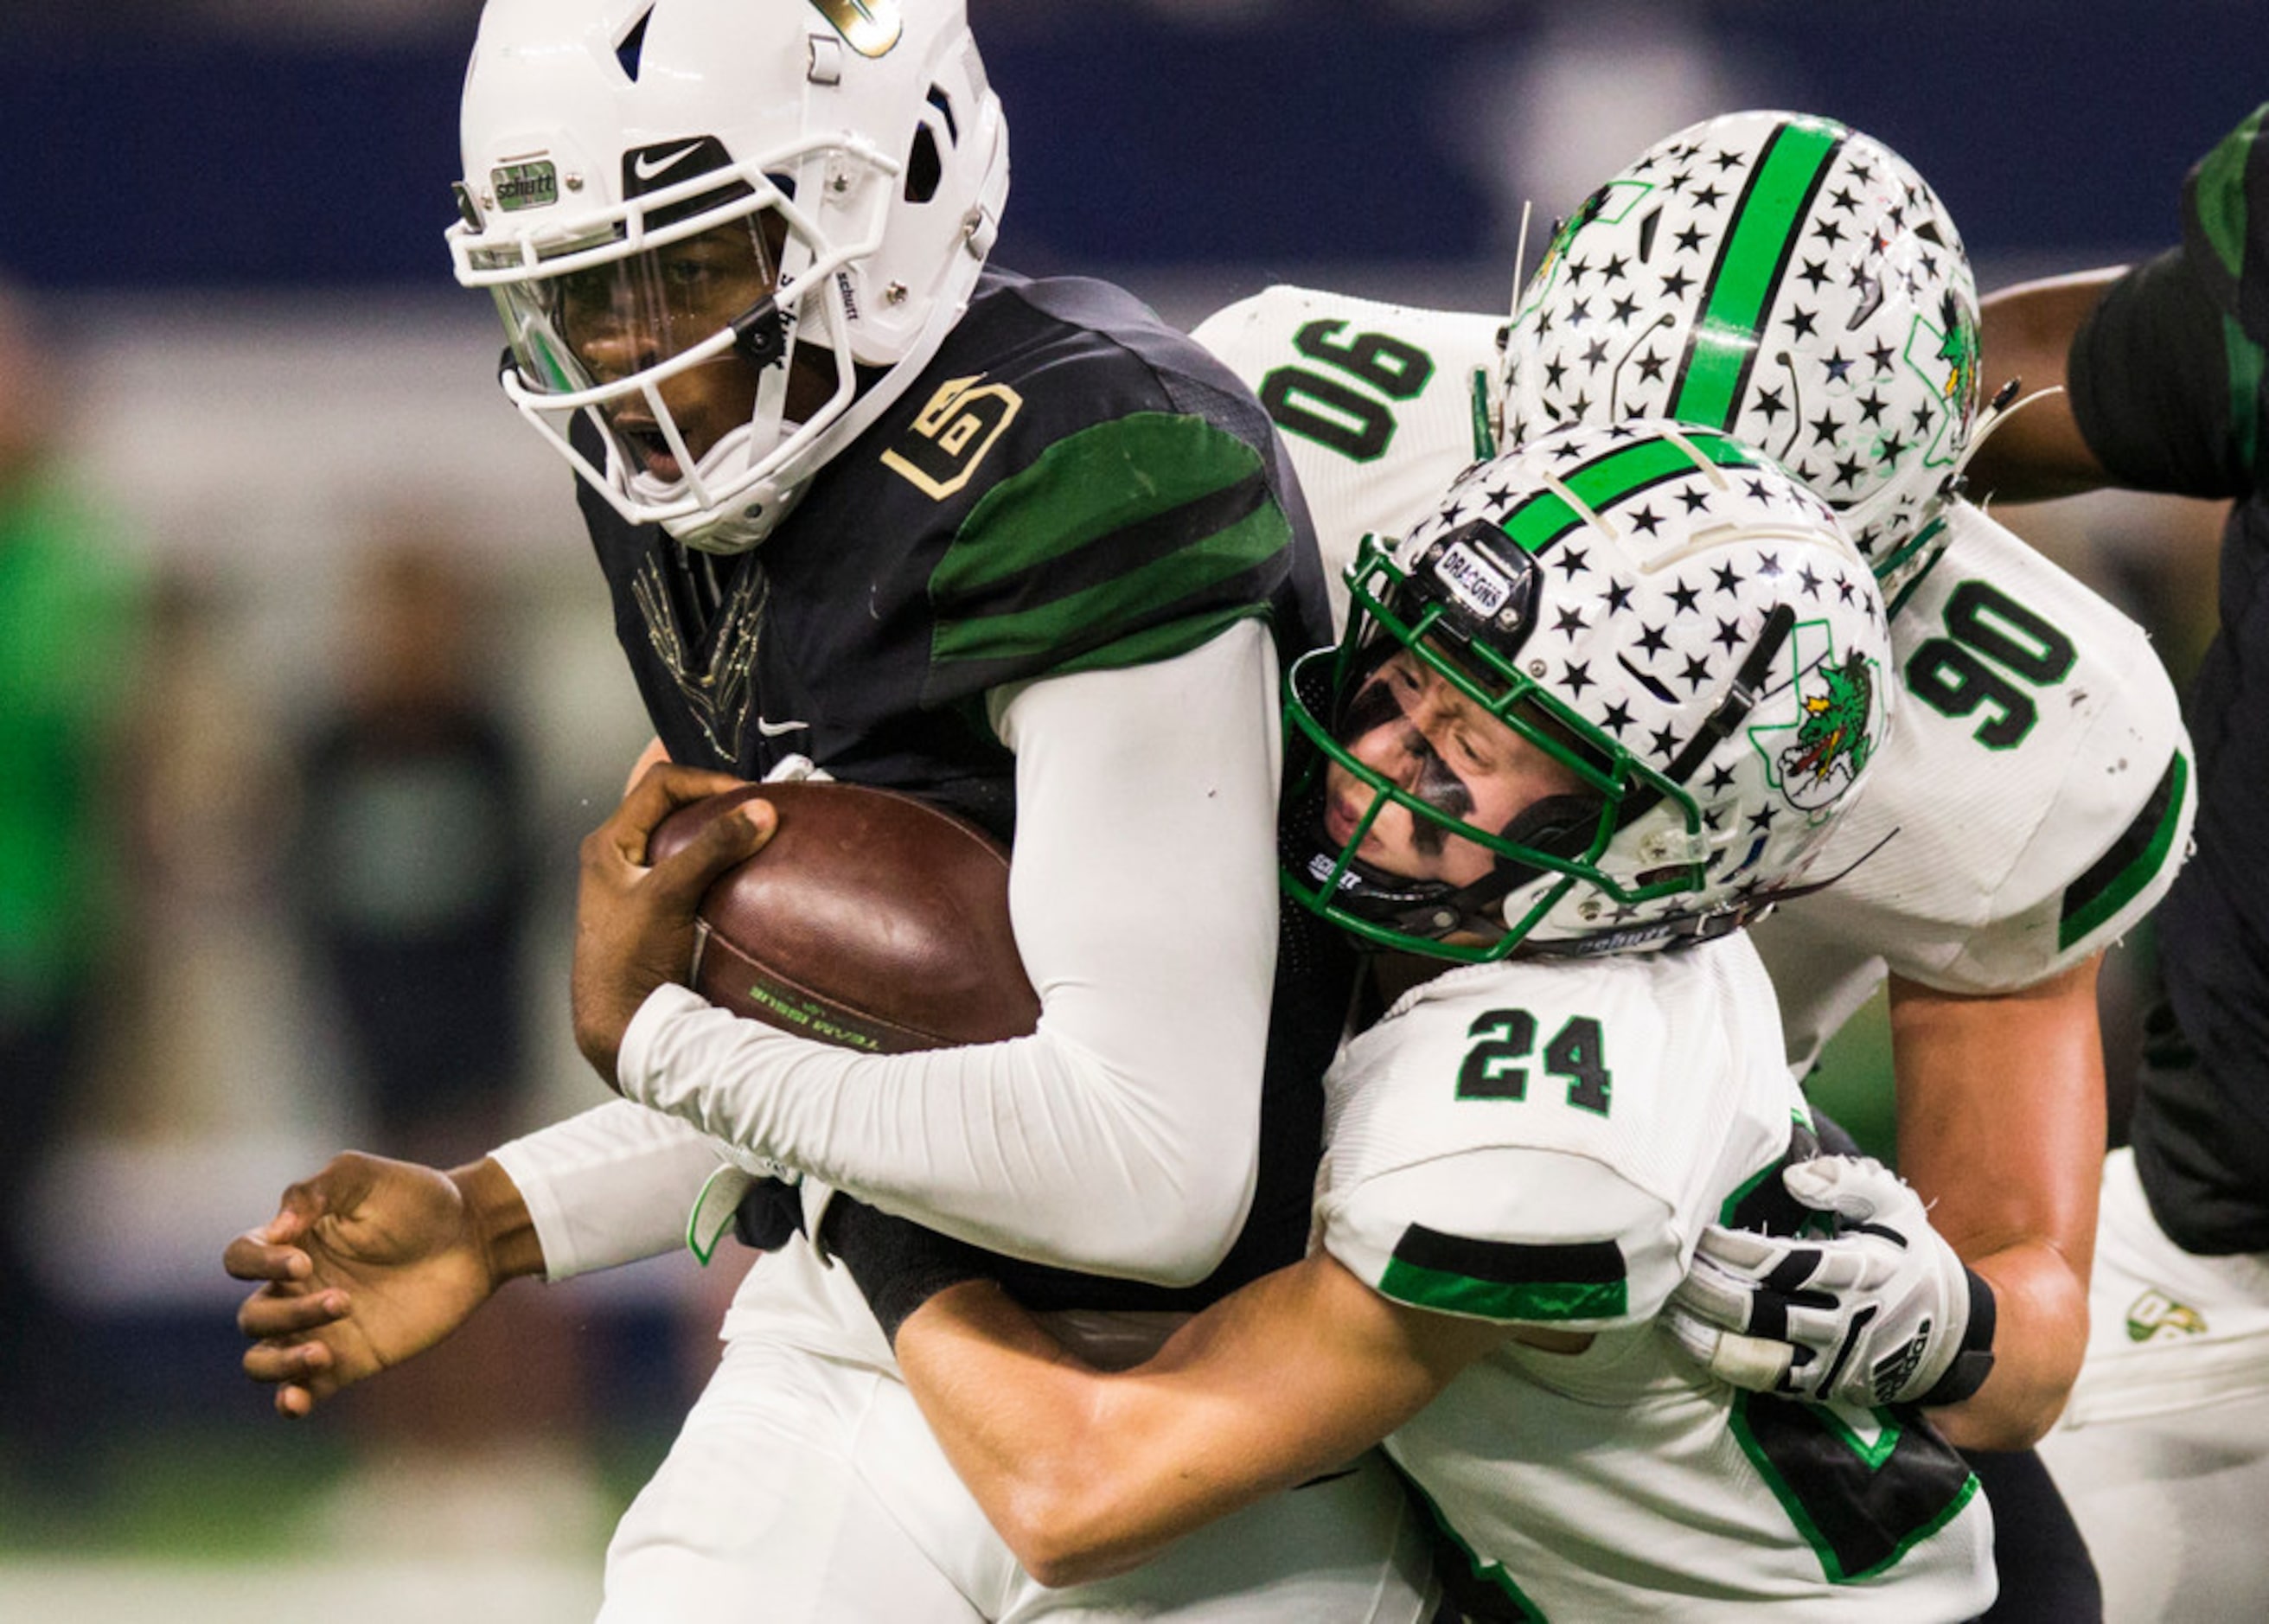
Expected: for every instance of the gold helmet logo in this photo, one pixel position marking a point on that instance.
(870, 27)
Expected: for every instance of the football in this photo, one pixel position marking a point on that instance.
(871, 920)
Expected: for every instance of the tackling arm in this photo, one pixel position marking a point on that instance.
(2026, 332)
(2011, 1169)
(1122, 1137)
(1086, 1474)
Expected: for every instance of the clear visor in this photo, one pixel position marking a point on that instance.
(615, 319)
(648, 342)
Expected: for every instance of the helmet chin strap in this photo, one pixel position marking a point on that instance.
(1435, 908)
(752, 513)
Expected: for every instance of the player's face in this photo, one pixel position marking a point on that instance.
(1416, 729)
(622, 318)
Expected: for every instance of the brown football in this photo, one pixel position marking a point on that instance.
(870, 920)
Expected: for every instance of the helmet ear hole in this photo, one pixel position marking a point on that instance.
(1558, 825)
(924, 169)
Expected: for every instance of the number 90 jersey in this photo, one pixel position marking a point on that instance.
(2034, 798)
(1539, 1144)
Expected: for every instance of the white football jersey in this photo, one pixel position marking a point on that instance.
(2037, 776)
(1539, 1144)
(1381, 406)
(2031, 804)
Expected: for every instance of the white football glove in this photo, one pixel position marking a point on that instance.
(1882, 1311)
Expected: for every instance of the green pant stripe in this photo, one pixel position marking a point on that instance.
(1760, 240)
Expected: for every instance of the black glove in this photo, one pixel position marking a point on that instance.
(769, 1215)
(896, 1265)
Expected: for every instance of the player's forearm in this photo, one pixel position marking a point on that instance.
(2001, 1129)
(1023, 1421)
(609, 1185)
(2040, 1334)
(1122, 1138)
(1029, 1147)
(1086, 1474)
(2025, 333)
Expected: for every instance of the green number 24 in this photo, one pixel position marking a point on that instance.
(1493, 1068)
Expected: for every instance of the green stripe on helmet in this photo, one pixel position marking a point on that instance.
(1622, 474)
(1761, 238)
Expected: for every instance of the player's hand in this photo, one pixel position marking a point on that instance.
(635, 926)
(366, 1265)
(1882, 1311)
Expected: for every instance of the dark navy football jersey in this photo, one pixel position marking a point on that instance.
(2170, 388)
(1071, 485)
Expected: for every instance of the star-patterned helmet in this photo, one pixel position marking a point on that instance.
(1673, 619)
(1783, 279)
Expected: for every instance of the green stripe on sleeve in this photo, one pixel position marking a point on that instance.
(2133, 859)
(2219, 193)
(1506, 1280)
(1124, 608)
(1487, 1299)
(1162, 642)
(2244, 356)
(1088, 486)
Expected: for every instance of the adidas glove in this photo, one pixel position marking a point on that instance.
(1880, 1312)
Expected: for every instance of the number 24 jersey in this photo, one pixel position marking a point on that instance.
(1540, 1145)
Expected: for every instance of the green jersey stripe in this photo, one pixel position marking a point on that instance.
(1760, 239)
(1506, 1280)
(1859, 1517)
(1619, 475)
(1087, 492)
(2114, 879)
(2244, 357)
(1196, 577)
(1489, 1299)
(1162, 642)
(2220, 190)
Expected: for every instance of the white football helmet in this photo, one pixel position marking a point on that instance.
(1783, 279)
(1661, 610)
(700, 219)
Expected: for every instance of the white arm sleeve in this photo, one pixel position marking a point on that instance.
(1121, 1137)
(611, 1186)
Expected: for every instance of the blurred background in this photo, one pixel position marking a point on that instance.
(310, 690)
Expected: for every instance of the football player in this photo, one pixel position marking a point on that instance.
(2169, 1423)
(1547, 799)
(1012, 545)
(1798, 283)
